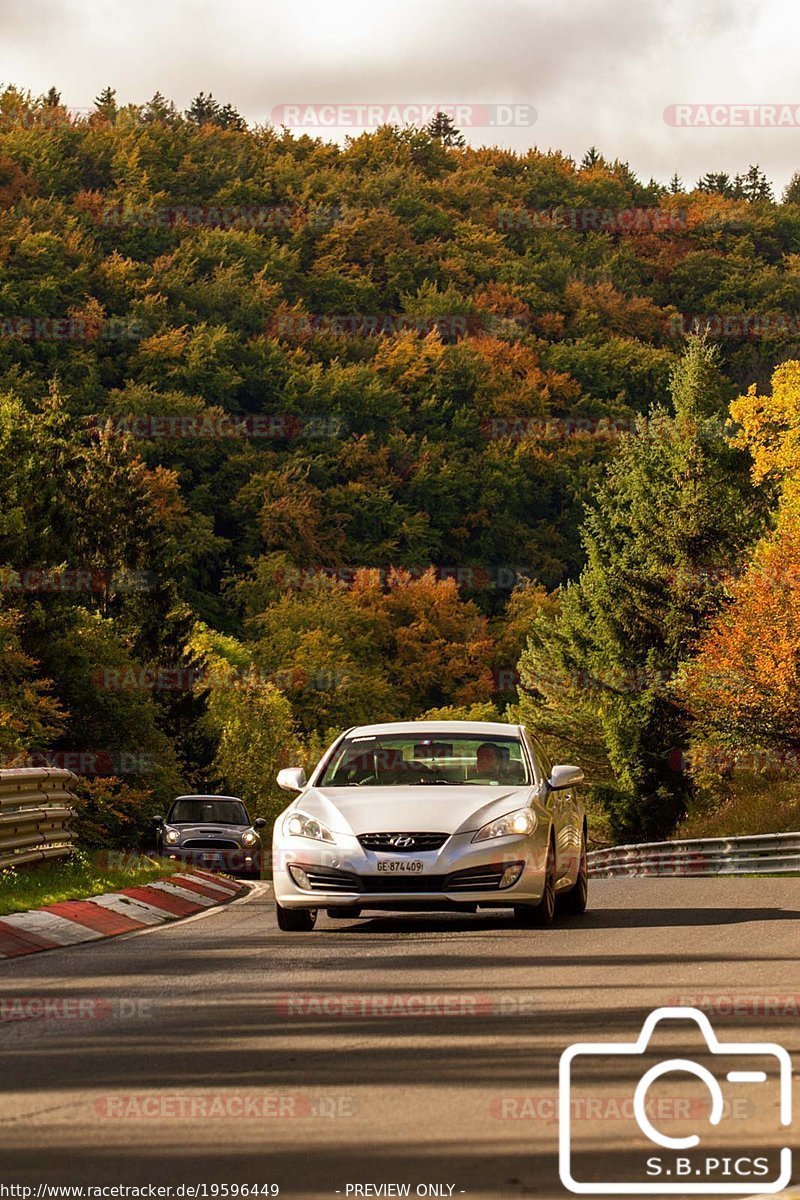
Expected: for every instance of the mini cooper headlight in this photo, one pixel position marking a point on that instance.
(172, 836)
(249, 838)
(298, 824)
(513, 824)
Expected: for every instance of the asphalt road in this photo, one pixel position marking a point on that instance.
(420, 1050)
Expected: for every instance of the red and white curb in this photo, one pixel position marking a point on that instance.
(72, 921)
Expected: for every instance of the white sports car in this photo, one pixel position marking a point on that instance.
(431, 815)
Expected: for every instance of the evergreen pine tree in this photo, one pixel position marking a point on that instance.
(443, 128)
(106, 104)
(671, 516)
(791, 193)
(716, 181)
(753, 186)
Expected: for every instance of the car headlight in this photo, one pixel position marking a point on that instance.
(172, 836)
(297, 824)
(249, 838)
(513, 824)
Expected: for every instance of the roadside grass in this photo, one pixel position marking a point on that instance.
(85, 873)
(749, 804)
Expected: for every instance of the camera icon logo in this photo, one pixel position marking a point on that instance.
(687, 1164)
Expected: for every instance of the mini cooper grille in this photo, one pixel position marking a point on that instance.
(209, 844)
(403, 843)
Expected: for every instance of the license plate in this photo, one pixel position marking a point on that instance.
(402, 866)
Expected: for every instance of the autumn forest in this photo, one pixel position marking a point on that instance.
(297, 436)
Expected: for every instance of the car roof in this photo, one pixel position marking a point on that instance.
(198, 796)
(482, 728)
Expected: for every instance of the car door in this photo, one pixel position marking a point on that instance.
(561, 806)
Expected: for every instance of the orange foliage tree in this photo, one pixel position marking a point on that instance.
(743, 687)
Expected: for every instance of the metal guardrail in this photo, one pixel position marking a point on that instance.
(35, 813)
(764, 854)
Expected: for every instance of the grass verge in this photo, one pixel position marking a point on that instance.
(85, 873)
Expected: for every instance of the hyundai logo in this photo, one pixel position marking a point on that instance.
(401, 840)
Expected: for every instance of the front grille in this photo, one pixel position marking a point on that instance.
(416, 842)
(386, 884)
(209, 844)
(476, 879)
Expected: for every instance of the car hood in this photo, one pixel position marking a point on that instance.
(208, 829)
(415, 809)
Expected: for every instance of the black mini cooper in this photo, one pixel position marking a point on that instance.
(214, 832)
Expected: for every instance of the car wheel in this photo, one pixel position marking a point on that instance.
(543, 913)
(296, 920)
(574, 901)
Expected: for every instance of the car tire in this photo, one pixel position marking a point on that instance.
(295, 920)
(542, 914)
(573, 902)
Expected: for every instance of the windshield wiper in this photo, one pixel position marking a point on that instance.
(449, 782)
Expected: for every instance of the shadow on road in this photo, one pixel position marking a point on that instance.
(234, 1007)
(608, 918)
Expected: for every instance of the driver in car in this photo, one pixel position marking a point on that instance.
(488, 763)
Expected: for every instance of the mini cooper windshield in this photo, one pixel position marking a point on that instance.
(198, 810)
(403, 759)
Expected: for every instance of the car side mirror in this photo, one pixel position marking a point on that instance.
(292, 779)
(259, 822)
(565, 776)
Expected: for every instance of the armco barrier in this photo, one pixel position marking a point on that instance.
(35, 813)
(764, 854)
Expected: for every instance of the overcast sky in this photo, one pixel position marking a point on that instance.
(597, 71)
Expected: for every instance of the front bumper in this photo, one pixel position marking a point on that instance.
(246, 860)
(345, 875)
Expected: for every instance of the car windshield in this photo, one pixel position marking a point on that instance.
(196, 810)
(387, 760)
